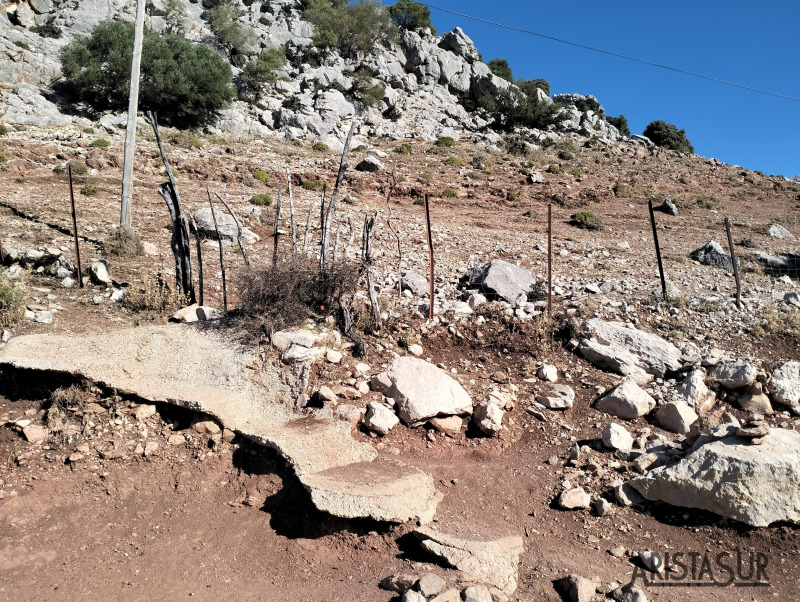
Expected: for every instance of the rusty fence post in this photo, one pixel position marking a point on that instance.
(735, 266)
(658, 250)
(430, 250)
(75, 227)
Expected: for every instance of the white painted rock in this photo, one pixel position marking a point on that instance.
(676, 417)
(616, 436)
(423, 391)
(754, 484)
(627, 401)
(380, 419)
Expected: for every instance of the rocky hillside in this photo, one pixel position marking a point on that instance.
(425, 76)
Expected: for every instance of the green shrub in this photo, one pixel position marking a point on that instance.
(411, 15)
(124, 241)
(668, 136)
(263, 69)
(518, 147)
(449, 193)
(529, 86)
(454, 162)
(366, 89)
(511, 196)
(500, 68)
(445, 142)
(89, 190)
(12, 307)
(565, 155)
(3, 157)
(311, 185)
(188, 84)
(185, 140)
(586, 220)
(419, 201)
(261, 199)
(403, 149)
(360, 148)
(79, 167)
(529, 213)
(684, 180)
(175, 15)
(577, 172)
(621, 124)
(555, 168)
(89, 130)
(3, 129)
(590, 103)
(262, 176)
(48, 30)
(706, 202)
(223, 20)
(513, 108)
(320, 146)
(100, 143)
(352, 27)
(622, 190)
(426, 177)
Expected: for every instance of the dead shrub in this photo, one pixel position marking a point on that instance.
(12, 306)
(124, 241)
(155, 298)
(288, 292)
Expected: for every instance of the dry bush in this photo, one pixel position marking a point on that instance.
(285, 294)
(155, 298)
(12, 307)
(124, 241)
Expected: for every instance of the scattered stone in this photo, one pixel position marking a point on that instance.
(325, 393)
(668, 207)
(785, 385)
(282, 340)
(150, 448)
(603, 507)
(758, 403)
(67, 282)
(535, 177)
(628, 593)
(44, 317)
(712, 254)
(205, 426)
(412, 596)
(380, 419)
(580, 589)
(35, 433)
(500, 279)
(451, 595)
(450, 426)
(422, 391)
(398, 583)
(333, 356)
(144, 411)
(98, 273)
(380, 383)
(489, 418)
(558, 397)
(225, 223)
(626, 401)
(495, 562)
(778, 231)
(753, 431)
(477, 593)
(176, 439)
(733, 375)
(676, 417)
(792, 298)
(370, 164)
(547, 373)
(616, 436)
(299, 354)
(431, 584)
(575, 498)
(417, 284)
(756, 485)
(627, 495)
(696, 393)
(416, 350)
(652, 561)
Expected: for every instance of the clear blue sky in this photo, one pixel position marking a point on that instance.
(752, 43)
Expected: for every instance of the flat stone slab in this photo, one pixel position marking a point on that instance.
(384, 490)
(495, 561)
(204, 372)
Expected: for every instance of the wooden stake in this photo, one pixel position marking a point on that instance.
(658, 250)
(199, 257)
(323, 262)
(238, 229)
(308, 227)
(735, 266)
(550, 260)
(275, 231)
(221, 261)
(74, 229)
(291, 212)
(430, 250)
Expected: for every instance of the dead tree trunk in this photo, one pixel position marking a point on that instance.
(221, 261)
(366, 257)
(392, 185)
(334, 195)
(350, 240)
(193, 225)
(336, 241)
(180, 231)
(308, 227)
(291, 212)
(277, 221)
(238, 229)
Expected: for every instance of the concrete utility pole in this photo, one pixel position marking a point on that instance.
(133, 108)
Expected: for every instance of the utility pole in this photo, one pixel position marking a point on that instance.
(133, 108)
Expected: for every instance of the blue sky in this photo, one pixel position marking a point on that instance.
(755, 44)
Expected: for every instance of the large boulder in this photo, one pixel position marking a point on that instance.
(500, 279)
(422, 391)
(627, 401)
(676, 416)
(459, 43)
(228, 230)
(712, 254)
(778, 231)
(754, 484)
(629, 351)
(733, 375)
(785, 385)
